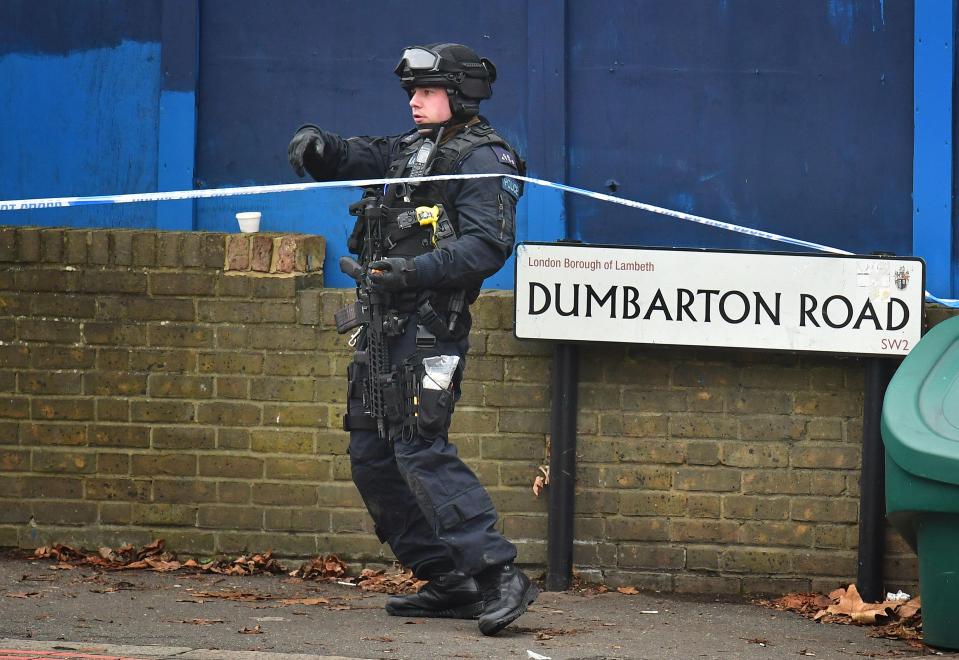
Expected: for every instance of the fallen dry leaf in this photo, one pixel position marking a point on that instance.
(202, 622)
(163, 566)
(803, 603)
(629, 591)
(541, 481)
(909, 608)
(305, 601)
(22, 594)
(255, 630)
(59, 552)
(321, 568)
(543, 634)
(238, 596)
(37, 578)
(149, 549)
(851, 604)
(242, 565)
(398, 581)
(905, 630)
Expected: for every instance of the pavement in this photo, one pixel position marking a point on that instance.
(83, 613)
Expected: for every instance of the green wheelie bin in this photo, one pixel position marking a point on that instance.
(920, 429)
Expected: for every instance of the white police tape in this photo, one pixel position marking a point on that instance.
(60, 202)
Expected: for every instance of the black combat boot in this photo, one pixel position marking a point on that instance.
(506, 594)
(448, 596)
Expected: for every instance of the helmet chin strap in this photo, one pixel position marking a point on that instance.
(430, 129)
(436, 128)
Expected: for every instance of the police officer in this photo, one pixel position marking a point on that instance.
(438, 241)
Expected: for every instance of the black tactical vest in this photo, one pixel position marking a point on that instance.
(404, 240)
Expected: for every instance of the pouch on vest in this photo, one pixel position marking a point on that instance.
(350, 317)
(434, 403)
(433, 408)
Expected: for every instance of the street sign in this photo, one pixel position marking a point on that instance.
(771, 300)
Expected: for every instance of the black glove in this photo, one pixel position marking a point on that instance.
(308, 140)
(393, 274)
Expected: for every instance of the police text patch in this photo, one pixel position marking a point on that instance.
(511, 186)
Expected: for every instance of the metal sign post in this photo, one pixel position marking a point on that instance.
(562, 466)
(872, 483)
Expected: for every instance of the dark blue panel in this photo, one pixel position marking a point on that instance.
(63, 26)
(546, 154)
(264, 72)
(933, 183)
(794, 117)
(180, 45)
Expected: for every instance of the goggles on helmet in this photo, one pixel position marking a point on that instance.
(418, 59)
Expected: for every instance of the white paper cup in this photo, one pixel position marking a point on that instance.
(249, 221)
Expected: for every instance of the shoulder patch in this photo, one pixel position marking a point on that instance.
(504, 156)
(511, 186)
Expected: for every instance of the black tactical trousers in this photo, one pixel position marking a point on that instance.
(425, 502)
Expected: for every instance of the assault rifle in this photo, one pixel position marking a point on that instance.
(385, 394)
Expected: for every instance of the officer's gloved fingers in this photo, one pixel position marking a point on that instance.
(382, 272)
(393, 273)
(319, 145)
(295, 153)
(386, 264)
(298, 152)
(304, 138)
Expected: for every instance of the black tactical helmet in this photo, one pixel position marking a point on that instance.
(466, 77)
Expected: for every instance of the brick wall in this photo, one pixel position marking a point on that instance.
(146, 390)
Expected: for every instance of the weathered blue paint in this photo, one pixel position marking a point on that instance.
(841, 14)
(177, 129)
(83, 123)
(934, 229)
(794, 117)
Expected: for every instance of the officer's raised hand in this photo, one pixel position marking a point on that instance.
(308, 143)
(393, 274)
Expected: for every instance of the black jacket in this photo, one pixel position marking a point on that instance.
(485, 208)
